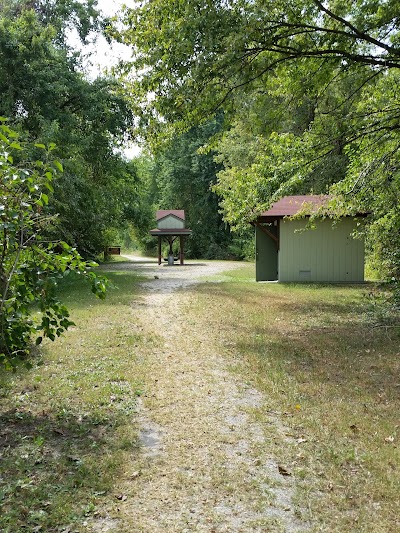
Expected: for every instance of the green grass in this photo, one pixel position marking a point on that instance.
(66, 427)
(68, 430)
(331, 379)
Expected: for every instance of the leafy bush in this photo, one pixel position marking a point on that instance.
(30, 266)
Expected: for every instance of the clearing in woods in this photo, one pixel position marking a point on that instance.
(204, 462)
(195, 400)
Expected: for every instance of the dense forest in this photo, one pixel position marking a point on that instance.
(235, 104)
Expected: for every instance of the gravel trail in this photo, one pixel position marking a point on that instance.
(203, 464)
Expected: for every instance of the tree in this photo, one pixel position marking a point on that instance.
(43, 91)
(201, 54)
(31, 265)
(184, 179)
(339, 61)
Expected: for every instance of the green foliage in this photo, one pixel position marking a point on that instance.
(30, 265)
(43, 92)
(184, 176)
(203, 53)
(310, 93)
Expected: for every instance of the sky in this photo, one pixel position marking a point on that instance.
(103, 55)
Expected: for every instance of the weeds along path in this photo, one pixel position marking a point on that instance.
(203, 463)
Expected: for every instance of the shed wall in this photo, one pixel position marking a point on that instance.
(325, 254)
(170, 222)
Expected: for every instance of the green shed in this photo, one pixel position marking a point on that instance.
(289, 252)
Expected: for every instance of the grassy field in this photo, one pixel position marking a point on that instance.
(331, 379)
(68, 427)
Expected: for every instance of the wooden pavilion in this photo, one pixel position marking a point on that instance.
(170, 227)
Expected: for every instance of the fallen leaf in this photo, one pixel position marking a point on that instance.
(389, 439)
(136, 474)
(121, 497)
(301, 440)
(283, 471)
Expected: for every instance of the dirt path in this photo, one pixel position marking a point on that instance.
(203, 464)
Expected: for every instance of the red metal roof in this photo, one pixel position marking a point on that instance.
(291, 205)
(162, 213)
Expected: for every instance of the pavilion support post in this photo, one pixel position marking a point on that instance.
(171, 242)
(159, 250)
(181, 244)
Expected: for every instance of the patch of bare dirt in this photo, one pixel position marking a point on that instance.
(204, 464)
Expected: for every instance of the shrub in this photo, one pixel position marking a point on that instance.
(30, 266)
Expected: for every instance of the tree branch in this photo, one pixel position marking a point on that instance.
(357, 32)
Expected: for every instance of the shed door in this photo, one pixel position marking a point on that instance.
(266, 255)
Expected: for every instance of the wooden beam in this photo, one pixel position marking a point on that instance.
(267, 232)
(159, 250)
(181, 253)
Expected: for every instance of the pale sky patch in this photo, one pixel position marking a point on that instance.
(99, 56)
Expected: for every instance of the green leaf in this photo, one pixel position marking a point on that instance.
(15, 145)
(39, 145)
(59, 166)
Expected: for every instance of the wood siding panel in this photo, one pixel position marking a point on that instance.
(326, 254)
(170, 222)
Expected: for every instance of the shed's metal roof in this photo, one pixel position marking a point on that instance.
(162, 213)
(291, 205)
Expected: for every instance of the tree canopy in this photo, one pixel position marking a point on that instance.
(183, 180)
(45, 94)
(309, 91)
(196, 56)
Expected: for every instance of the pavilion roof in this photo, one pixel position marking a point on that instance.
(178, 213)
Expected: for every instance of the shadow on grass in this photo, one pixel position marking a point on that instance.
(75, 292)
(66, 430)
(55, 467)
(288, 299)
(346, 360)
(314, 334)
